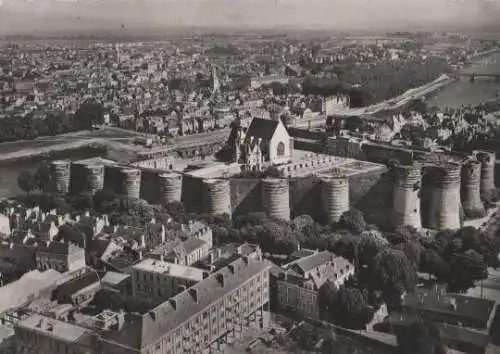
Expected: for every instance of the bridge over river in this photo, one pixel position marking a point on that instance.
(473, 75)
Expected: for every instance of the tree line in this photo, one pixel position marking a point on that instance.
(372, 83)
(31, 126)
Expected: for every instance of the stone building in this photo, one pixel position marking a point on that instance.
(62, 257)
(197, 319)
(298, 283)
(266, 142)
(44, 335)
(158, 279)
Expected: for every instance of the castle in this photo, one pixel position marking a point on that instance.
(425, 190)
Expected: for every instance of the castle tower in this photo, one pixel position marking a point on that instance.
(131, 182)
(444, 202)
(61, 173)
(471, 189)
(217, 196)
(488, 161)
(94, 175)
(406, 196)
(170, 187)
(276, 198)
(334, 197)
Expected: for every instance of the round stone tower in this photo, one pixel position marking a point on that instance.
(334, 197)
(276, 198)
(217, 196)
(94, 175)
(487, 160)
(170, 187)
(406, 195)
(131, 183)
(471, 189)
(61, 173)
(444, 202)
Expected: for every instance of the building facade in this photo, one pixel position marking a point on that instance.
(200, 317)
(297, 284)
(62, 257)
(157, 279)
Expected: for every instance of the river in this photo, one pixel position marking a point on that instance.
(464, 92)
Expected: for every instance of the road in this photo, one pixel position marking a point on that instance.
(393, 103)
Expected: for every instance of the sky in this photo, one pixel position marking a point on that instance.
(331, 14)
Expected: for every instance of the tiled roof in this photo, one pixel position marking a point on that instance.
(464, 306)
(140, 331)
(59, 248)
(308, 263)
(114, 278)
(262, 128)
(77, 284)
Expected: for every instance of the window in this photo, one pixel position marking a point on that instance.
(280, 150)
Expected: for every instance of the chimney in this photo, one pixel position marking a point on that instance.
(194, 294)
(173, 303)
(140, 255)
(153, 315)
(143, 241)
(220, 278)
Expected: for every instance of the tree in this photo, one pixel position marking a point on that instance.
(370, 244)
(353, 220)
(405, 233)
(466, 268)
(346, 306)
(27, 181)
(412, 250)
(89, 113)
(486, 245)
(392, 273)
(304, 224)
(420, 337)
(43, 176)
(431, 262)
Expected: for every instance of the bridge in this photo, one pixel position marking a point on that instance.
(472, 76)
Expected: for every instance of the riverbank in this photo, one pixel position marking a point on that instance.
(47, 151)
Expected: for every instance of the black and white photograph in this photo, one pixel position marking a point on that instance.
(249, 176)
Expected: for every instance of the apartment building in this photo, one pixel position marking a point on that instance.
(44, 335)
(298, 282)
(158, 279)
(198, 318)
